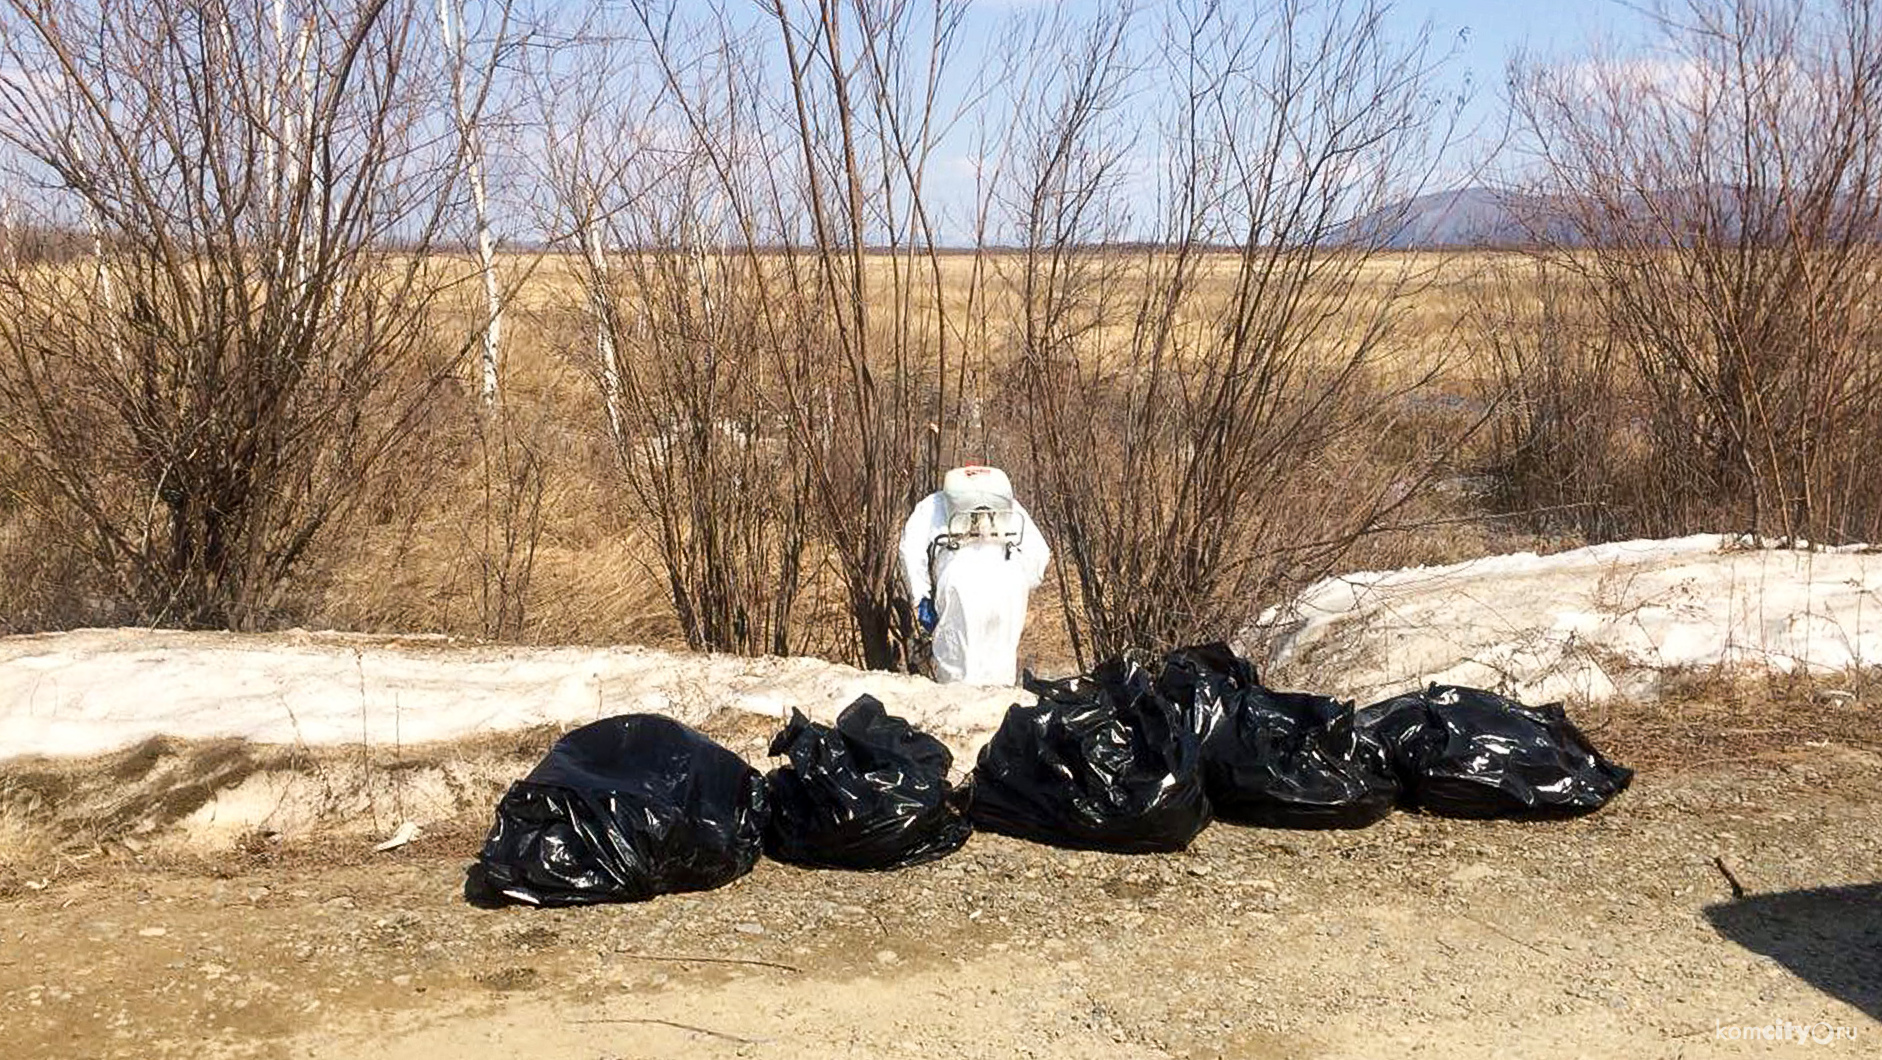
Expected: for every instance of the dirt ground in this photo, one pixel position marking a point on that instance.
(1616, 935)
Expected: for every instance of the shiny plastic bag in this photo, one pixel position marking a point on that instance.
(1294, 760)
(622, 810)
(1276, 759)
(1102, 763)
(1464, 752)
(870, 793)
(1204, 682)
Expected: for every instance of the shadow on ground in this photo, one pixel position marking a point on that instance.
(1830, 937)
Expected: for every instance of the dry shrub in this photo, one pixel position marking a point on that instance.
(763, 274)
(1707, 353)
(703, 447)
(1204, 412)
(1564, 448)
(204, 401)
(46, 580)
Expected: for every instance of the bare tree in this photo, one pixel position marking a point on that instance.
(1208, 322)
(1713, 203)
(468, 102)
(265, 212)
(774, 342)
(683, 356)
(866, 111)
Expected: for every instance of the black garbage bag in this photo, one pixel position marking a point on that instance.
(1204, 683)
(1464, 752)
(1294, 760)
(1276, 759)
(1101, 763)
(871, 793)
(622, 810)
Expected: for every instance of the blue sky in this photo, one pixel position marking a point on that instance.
(1479, 37)
(1491, 28)
(1496, 26)
(1486, 33)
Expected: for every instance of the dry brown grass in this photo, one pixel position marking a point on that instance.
(1720, 716)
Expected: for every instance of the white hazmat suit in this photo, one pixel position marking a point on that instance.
(978, 582)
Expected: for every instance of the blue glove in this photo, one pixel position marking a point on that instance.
(925, 614)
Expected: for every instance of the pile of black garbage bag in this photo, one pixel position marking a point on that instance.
(638, 805)
(1127, 758)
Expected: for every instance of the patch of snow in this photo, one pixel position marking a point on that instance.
(1590, 623)
(92, 691)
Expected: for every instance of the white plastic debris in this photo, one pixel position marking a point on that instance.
(405, 833)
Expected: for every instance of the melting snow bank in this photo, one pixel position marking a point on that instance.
(1592, 622)
(92, 691)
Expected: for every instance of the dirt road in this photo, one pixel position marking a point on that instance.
(1611, 936)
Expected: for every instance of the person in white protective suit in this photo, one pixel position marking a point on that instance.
(971, 555)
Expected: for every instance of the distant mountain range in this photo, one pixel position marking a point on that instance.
(1480, 217)
(1466, 217)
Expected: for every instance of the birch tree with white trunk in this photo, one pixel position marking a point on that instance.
(467, 113)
